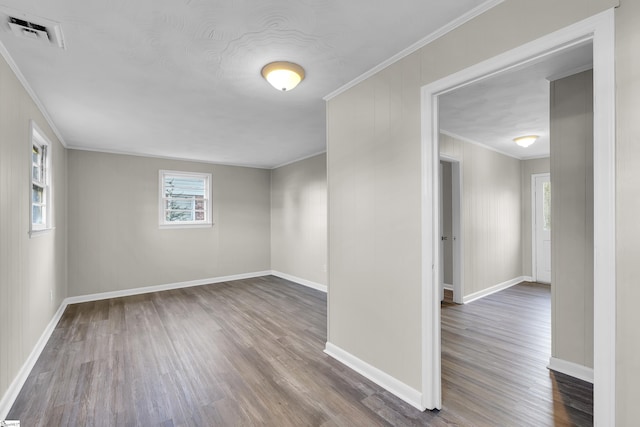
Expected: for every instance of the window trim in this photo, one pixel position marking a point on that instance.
(38, 138)
(163, 223)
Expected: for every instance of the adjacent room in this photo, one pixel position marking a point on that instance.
(224, 213)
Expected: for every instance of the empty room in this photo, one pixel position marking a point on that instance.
(228, 213)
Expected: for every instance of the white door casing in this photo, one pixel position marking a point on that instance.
(541, 223)
(600, 29)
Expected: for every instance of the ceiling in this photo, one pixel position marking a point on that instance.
(181, 78)
(514, 103)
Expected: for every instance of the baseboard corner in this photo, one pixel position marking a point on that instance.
(300, 281)
(572, 369)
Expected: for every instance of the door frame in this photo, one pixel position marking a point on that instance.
(534, 232)
(600, 30)
(456, 226)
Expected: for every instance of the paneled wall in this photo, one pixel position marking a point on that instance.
(529, 167)
(299, 219)
(491, 214)
(374, 174)
(33, 271)
(571, 134)
(114, 239)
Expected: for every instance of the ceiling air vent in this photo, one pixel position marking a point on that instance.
(38, 29)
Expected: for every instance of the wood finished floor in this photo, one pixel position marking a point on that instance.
(249, 352)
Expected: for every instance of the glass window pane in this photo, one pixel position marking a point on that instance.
(37, 214)
(185, 187)
(37, 194)
(174, 216)
(546, 205)
(35, 174)
(179, 204)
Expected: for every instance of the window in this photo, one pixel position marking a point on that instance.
(185, 199)
(41, 206)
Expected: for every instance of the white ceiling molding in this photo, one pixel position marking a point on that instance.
(300, 159)
(14, 67)
(479, 10)
(571, 72)
(156, 156)
(480, 144)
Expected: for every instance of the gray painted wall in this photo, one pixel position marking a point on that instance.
(374, 174)
(299, 219)
(529, 167)
(114, 239)
(571, 133)
(31, 269)
(491, 214)
(627, 212)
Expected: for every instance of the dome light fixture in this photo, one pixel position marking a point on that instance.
(525, 141)
(283, 75)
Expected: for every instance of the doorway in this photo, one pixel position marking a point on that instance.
(450, 228)
(541, 227)
(600, 30)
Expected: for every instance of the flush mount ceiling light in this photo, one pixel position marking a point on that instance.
(525, 141)
(283, 75)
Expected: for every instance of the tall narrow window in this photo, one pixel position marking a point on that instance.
(185, 199)
(41, 205)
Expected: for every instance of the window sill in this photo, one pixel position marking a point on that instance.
(172, 226)
(42, 232)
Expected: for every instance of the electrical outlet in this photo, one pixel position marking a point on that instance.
(324, 268)
(51, 295)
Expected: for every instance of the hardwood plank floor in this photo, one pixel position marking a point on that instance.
(249, 352)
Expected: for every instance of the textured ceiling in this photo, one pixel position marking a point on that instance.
(181, 78)
(514, 103)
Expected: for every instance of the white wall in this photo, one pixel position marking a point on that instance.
(299, 219)
(529, 167)
(491, 214)
(31, 269)
(114, 239)
(374, 174)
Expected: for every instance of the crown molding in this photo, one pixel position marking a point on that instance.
(16, 70)
(479, 10)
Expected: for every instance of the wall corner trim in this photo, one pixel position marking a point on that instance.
(493, 289)
(384, 380)
(300, 281)
(18, 382)
(572, 369)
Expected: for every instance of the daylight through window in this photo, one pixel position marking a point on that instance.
(185, 198)
(40, 182)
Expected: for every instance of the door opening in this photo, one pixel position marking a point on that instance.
(450, 228)
(541, 227)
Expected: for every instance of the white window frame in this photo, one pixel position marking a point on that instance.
(39, 140)
(206, 177)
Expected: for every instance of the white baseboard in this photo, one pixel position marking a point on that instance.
(572, 369)
(18, 382)
(410, 395)
(492, 290)
(166, 287)
(447, 286)
(527, 279)
(300, 281)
